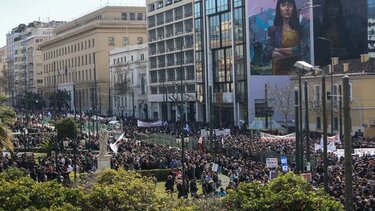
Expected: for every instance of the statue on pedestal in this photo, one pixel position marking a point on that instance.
(103, 143)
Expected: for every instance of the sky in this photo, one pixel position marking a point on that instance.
(15, 12)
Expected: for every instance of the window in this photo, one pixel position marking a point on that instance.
(125, 41)
(318, 123)
(139, 40)
(317, 95)
(151, 7)
(124, 16)
(139, 16)
(159, 4)
(142, 57)
(168, 2)
(111, 41)
(154, 76)
(335, 123)
(132, 16)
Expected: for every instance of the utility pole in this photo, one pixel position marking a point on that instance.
(340, 111)
(307, 128)
(300, 118)
(325, 153)
(133, 104)
(347, 147)
(266, 104)
(297, 129)
(331, 97)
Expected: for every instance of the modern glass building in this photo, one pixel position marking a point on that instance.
(220, 61)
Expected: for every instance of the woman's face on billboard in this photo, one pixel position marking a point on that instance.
(286, 9)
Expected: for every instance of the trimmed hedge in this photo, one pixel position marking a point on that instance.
(160, 174)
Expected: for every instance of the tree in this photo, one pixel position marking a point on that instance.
(282, 95)
(22, 193)
(59, 100)
(286, 192)
(7, 117)
(66, 128)
(33, 101)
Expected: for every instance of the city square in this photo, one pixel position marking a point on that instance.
(189, 105)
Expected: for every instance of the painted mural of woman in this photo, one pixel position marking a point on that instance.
(282, 43)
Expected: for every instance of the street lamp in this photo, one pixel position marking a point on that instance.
(306, 66)
(331, 70)
(347, 146)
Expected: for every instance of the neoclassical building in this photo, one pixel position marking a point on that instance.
(77, 56)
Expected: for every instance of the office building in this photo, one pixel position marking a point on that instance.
(171, 60)
(220, 61)
(77, 57)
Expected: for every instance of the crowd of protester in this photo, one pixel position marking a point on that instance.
(204, 164)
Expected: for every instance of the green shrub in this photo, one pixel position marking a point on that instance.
(287, 192)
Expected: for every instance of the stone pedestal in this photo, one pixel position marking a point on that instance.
(104, 162)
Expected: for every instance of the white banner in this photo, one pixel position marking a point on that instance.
(271, 162)
(360, 152)
(270, 137)
(204, 133)
(149, 124)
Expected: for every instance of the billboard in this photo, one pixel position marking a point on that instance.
(340, 29)
(279, 35)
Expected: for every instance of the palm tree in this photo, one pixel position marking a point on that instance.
(7, 117)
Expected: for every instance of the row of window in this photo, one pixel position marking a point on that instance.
(171, 45)
(67, 64)
(172, 89)
(171, 30)
(122, 59)
(77, 76)
(125, 41)
(172, 59)
(131, 16)
(172, 74)
(175, 14)
(160, 4)
(80, 46)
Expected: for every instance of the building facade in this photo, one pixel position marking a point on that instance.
(77, 57)
(361, 75)
(3, 72)
(221, 61)
(171, 60)
(24, 58)
(128, 82)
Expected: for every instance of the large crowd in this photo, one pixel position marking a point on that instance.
(235, 156)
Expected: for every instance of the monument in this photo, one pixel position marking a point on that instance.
(104, 159)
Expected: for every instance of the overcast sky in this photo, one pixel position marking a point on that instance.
(15, 12)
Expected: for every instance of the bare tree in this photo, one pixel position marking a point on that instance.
(123, 79)
(282, 95)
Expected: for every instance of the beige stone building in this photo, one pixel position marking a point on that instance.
(362, 101)
(79, 53)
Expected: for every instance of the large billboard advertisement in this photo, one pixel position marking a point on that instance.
(279, 35)
(340, 29)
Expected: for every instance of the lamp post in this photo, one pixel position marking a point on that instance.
(347, 146)
(297, 129)
(307, 128)
(331, 70)
(325, 153)
(306, 66)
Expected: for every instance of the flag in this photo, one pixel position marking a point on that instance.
(187, 128)
(331, 147)
(114, 146)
